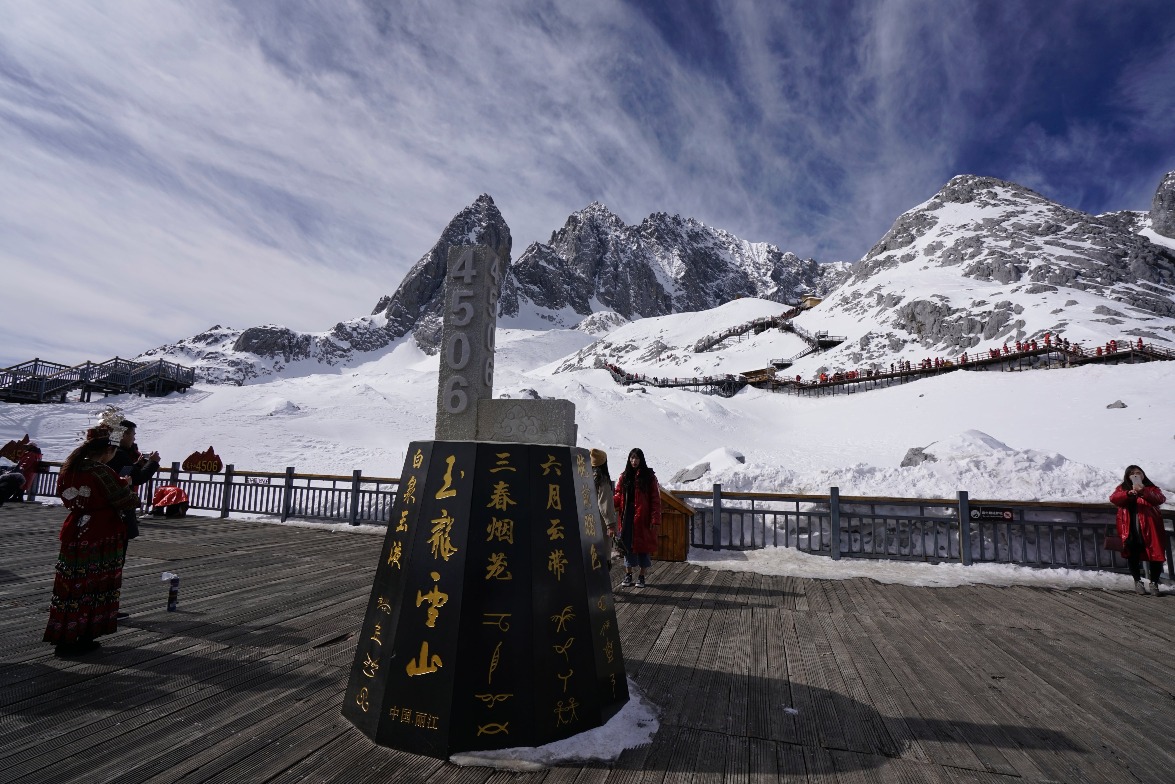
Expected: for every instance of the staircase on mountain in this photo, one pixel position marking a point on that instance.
(41, 381)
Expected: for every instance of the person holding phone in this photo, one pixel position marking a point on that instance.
(1140, 526)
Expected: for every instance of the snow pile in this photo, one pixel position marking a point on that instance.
(634, 725)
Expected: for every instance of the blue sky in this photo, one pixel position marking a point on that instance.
(168, 166)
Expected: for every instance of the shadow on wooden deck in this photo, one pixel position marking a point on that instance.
(757, 678)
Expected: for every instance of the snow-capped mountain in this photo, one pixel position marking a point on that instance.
(226, 355)
(595, 274)
(666, 264)
(985, 261)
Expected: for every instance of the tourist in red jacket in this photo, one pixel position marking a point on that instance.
(638, 512)
(1140, 526)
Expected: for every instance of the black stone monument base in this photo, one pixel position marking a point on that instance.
(491, 622)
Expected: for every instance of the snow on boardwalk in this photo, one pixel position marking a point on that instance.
(756, 677)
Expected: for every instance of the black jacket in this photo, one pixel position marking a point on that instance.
(128, 461)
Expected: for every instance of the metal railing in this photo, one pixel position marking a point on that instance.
(1030, 533)
(354, 499)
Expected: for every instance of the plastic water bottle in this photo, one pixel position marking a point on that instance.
(173, 591)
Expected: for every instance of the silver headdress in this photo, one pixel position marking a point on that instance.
(111, 420)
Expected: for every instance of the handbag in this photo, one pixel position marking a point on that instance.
(1112, 541)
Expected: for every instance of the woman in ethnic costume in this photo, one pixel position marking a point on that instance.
(93, 545)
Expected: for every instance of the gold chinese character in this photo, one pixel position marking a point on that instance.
(565, 678)
(382, 605)
(555, 529)
(502, 530)
(370, 666)
(602, 604)
(563, 618)
(421, 719)
(564, 648)
(565, 714)
(494, 728)
(583, 495)
(432, 721)
(423, 664)
(361, 699)
(581, 465)
(492, 699)
(496, 570)
(500, 499)
(605, 627)
(441, 541)
(552, 463)
(503, 463)
(410, 490)
(375, 635)
(394, 712)
(553, 501)
(436, 599)
(596, 558)
(557, 563)
(394, 554)
(609, 651)
(501, 620)
(447, 490)
(406, 716)
(418, 459)
(495, 658)
(403, 524)
(589, 524)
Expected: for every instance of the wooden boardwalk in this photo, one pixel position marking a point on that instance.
(759, 679)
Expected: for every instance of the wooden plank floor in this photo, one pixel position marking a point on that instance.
(759, 679)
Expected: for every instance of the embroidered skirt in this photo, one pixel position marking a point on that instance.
(86, 589)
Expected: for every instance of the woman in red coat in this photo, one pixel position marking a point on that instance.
(1140, 526)
(93, 545)
(638, 513)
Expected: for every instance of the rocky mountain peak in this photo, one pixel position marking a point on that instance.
(666, 264)
(1163, 207)
(416, 304)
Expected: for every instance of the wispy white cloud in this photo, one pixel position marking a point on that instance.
(165, 166)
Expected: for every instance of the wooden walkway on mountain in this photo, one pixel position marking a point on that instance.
(757, 678)
(901, 372)
(40, 381)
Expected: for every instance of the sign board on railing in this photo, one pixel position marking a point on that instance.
(257, 480)
(991, 513)
(206, 462)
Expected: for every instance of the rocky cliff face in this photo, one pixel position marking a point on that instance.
(1003, 263)
(666, 264)
(1163, 207)
(225, 355)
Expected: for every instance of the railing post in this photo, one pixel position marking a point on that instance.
(964, 528)
(32, 494)
(356, 476)
(716, 525)
(834, 521)
(287, 493)
(1170, 555)
(175, 472)
(226, 497)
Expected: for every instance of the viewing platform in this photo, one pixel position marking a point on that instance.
(40, 381)
(757, 678)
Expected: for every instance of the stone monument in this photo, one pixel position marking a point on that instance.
(491, 621)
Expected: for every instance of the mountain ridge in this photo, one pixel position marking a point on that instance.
(982, 259)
